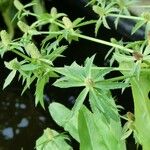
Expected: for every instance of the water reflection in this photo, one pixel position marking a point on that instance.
(20, 122)
(8, 133)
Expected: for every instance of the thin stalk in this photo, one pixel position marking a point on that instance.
(8, 23)
(86, 23)
(58, 69)
(22, 55)
(118, 78)
(49, 32)
(59, 24)
(126, 17)
(142, 6)
(103, 42)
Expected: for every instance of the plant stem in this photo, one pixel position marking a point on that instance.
(8, 23)
(103, 42)
(49, 32)
(58, 69)
(59, 24)
(126, 17)
(86, 23)
(22, 55)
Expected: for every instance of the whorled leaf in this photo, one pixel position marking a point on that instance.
(52, 140)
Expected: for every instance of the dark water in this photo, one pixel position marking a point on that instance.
(21, 123)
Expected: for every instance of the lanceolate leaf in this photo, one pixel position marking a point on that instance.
(88, 66)
(79, 101)
(138, 25)
(64, 82)
(9, 78)
(105, 85)
(39, 90)
(74, 72)
(29, 67)
(104, 104)
(98, 24)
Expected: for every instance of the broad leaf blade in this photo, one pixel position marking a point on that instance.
(61, 115)
(90, 138)
(140, 90)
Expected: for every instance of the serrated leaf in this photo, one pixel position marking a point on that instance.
(64, 82)
(56, 53)
(103, 103)
(88, 66)
(39, 90)
(110, 85)
(79, 101)
(74, 72)
(90, 137)
(52, 140)
(29, 81)
(99, 74)
(9, 78)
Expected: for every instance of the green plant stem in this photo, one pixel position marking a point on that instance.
(142, 6)
(86, 23)
(100, 68)
(8, 23)
(126, 17)
(59, 24)
(49, 32)
(103, 42)
(22, 55)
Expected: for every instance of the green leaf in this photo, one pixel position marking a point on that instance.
(107, 136)
(107, 85)
(56, 53)
(140, 90)
(97, 26)
(90, 137)
(38, 8)
(9, 78)
(77, 21)
(79, 101)
(64, 82)
(126, 134)
(18, 5)
(52, 140)
(29, 67)
(74, 72)
(39, 90)
(61, 115)
(138, 25)
(105, 23)
(88, 66)
(101, 101)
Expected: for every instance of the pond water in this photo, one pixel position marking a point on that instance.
(21, 123)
